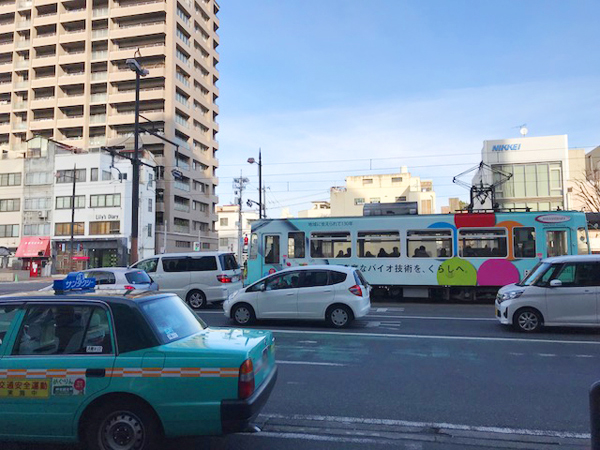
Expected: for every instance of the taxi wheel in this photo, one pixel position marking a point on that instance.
(196, 299)
(339, 316)
(527, 320)
(243, 314)
(123, 426)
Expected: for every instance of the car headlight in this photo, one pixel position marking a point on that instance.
(510, 295)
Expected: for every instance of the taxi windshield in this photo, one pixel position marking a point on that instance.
(171, 319)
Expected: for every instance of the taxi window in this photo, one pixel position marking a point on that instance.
(171, 319)
(7, 315)
(63, 330)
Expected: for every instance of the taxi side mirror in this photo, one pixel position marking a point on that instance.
(555, 283)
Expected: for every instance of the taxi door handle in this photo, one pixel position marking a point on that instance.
(95, 373)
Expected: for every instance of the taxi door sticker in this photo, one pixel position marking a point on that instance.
(68, 386)
(28, 388)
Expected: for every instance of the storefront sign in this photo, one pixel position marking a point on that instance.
(107, 217)
(505, 147)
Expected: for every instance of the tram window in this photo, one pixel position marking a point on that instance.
(330, 245)
(524, 242)
(582, 242)
(296, 245)
(271, 249)
(431, 243)
(378, 244)
(556, 243)
(483, 243)
(253, 246)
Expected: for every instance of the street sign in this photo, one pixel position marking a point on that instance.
(196, 246)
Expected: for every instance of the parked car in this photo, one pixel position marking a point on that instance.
(196, 277)
(119, 279)
(337, 294)
(120, 372)
(559, 291)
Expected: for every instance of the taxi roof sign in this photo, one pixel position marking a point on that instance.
(75, 281)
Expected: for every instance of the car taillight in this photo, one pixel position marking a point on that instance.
(356, 290)
(246, 380)
(224, 278)
(129, 287)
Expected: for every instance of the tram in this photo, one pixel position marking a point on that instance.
(463, 256)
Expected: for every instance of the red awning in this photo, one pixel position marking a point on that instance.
(34, 247)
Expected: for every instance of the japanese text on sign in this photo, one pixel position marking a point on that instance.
(13, 388)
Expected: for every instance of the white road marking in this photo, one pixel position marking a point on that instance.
(316, 437)
(516, 354)
(210, 312)
(372, 324)
(448, 426)
(584, 356)
(307, 342)
(547, 354)
(381, 309)
(433, 318)
(310, 363)
(433, 337)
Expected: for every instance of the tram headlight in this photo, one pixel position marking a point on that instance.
(510, 295)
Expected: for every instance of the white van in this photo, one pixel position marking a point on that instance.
(196, 277)
(559, 291)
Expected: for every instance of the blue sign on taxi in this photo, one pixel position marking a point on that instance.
(74, 281)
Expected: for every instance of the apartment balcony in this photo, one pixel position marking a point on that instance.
(98, 76)
(19, 126)
(21, 85)
(98, 98)
(98, 119)
(140, 29)
(6, 66)
(4, 127)
(43, 82)
(99, 55)
(41, 61)
(5, 87)
(42, 102)
(70, 121)
(23, 24)
(23, 44)
(46, 19)
(7, 46)
(74, 15)
(72, 78)
(41, 124)
(141, 7)
(101, 33)
(128, 75)
(22, 64)
(100, 12)
(7, 27)
(146, 94)
(5, 106)
(44, 2)
(129, 116)
(72, 58)
(97, 141)
(47, 39)
(23, 4)
(74, 36)
(157, 49)
(71, 100)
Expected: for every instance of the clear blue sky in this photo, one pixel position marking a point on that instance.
(324, 86)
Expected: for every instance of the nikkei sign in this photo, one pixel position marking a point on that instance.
(505, 147)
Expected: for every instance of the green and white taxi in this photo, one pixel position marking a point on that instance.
(120, 372)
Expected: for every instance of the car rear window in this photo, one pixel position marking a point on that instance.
(170, 318)
(336, 277)
(228, 262)
(359, 278)
(138, 277)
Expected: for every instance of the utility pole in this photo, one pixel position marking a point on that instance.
(73, 218)
(239, 184)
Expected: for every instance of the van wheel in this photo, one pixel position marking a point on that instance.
(339, 316)
(123, 425)
(527, 320)
(243, 314)
(196, 299)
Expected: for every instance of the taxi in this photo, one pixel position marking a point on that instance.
(121, 371)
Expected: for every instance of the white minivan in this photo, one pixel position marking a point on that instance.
(196, 277)
(559, 291)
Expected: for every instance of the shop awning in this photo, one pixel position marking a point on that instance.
(34, 247)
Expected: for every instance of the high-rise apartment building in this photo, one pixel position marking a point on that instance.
(63, 75)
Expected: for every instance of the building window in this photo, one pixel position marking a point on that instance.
(64, 229)
(65, 202)
(105, 227)
(378, 244)
(10, 204)
(483, 242)
(224, 221)
(9, 231)
(199, 206)
(38, 229)
(359, 201)
(200, 226)
(10, 179)
(105, 200)
(37, 203)
(94, 174)
(106, 175)
(432, 243)
(149, 205)
(426, 207)
(205, 245)
(366, 181)
(37, 178)
(223, 242)
(375, 200)
(396, 180)
(66, 176)
(181, 225)
(149, 230)
(401, 199)
(330, 245)
(183, 244)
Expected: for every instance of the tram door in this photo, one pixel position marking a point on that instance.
(272, 250)
(557, 242)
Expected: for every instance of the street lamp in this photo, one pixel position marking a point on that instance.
(136, 67)
(260, 202)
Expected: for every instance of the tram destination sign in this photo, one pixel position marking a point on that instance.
(552, 218)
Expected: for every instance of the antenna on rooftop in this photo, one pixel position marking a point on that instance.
(522, 129)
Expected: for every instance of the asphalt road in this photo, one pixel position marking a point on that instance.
(420, 376)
